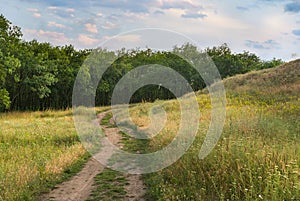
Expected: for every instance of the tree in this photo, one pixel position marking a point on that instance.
(38, 76)
(9, 42)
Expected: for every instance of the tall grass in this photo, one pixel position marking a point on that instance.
(36, 148)
(257, 157)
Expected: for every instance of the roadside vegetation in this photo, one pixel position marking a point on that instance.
(37, 150)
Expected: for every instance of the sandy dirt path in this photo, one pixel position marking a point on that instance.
(79, 187)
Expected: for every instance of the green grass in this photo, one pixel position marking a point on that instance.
(109, 186)
(105, 121)
(258, 155)
(37, 151)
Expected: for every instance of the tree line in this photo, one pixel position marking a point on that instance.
(40, 76)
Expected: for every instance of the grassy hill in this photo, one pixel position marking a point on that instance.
(276, 84)
(287, 74)
(258, 155)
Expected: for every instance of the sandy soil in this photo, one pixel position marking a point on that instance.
(78, 187)
(136, 188)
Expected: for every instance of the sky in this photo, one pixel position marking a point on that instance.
(268, 28)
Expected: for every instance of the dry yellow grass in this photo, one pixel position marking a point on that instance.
(35, 148)
(65, 159)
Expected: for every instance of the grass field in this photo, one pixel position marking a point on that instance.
(258, 155)
(37, 150)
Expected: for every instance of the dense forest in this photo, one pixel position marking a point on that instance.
(39, 76)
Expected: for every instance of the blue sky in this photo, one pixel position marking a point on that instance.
(269, 28)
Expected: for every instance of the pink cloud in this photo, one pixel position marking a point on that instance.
(52, 8)
(108, 25)
(70, 10)
(99, 15)
(54, 24)
(49, 36)
(91, 28)
(35, 12)
(36, 15)
(87, 40)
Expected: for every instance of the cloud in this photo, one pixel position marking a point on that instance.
(70, 10)
(99, 15)
(292, 7)
(190, 8)
(36, 15)
(91, 28)
(54, 24)
(210, 22)
(180, 4)
(56, 37)
(158, 12)
(54, 3)
(242, 8)
(35, 12)
(135, 16)
(124, 38)
(87, 40)
(194, 15)
(266, 45)
(62, 12)
(140, 6)
(52, 8)
(108, 25)
(129, 38)
(271, 1)
(296, 32)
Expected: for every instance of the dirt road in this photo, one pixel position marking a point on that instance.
(79, 187)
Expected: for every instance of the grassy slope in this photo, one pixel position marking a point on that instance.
(271, 85)
(258, 155)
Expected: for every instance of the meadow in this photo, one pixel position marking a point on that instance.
(37, 150)
(256, 158)
(258, 155)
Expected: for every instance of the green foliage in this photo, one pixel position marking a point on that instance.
(39, 76)
(4, 99)
(9, 41)
(230, 64)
